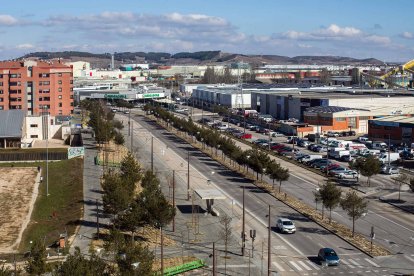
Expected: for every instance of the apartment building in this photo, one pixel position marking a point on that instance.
(36, 87)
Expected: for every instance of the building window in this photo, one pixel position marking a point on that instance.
(363, 118)
(60, 112)
(1, 100)
(44, 75)
(340, 119)
(60, 104)
(60, 96)
(1, 107)
(59, 81)
(1, 76)
(33, 125)
(60, 89)
(1, 83)
(1, 91)
(71, 81)
(59, 74)
(34, 136)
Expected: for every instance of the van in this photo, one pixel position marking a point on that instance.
(379, 145)
(310, 157)
(389, 156)
(363, 139)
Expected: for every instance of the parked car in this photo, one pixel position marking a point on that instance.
(332, 134)
(303, 143)
(347, 175)
(328, 256)
(258, 141)
(285, 225)
(347, 158)
(276, 134)
(392, 170)
(338, 170)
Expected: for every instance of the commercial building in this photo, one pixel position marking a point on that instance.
(36, 85)
(293, 102)
(230, 96)
(397, 129)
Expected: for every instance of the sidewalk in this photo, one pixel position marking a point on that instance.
(91, 194)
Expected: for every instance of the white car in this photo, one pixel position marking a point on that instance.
(276, 134)
(347, 175)
(285, 225)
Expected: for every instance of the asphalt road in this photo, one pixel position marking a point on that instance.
(293, 254)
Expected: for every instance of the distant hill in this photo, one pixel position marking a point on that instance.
(198, 58)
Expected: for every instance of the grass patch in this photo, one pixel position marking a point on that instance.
(62, 209)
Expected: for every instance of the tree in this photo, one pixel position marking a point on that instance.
(368, 167)
(325, 76)
(134, 259)
(119, 138)
(282, 175)
(355, 207)
(117, 196)
(77, 264)
(400, 180)
(330, 196)
(226, 235)
(131, 171)
(118, 124)
(36, 265)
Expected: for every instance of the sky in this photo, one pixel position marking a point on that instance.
(379, 29)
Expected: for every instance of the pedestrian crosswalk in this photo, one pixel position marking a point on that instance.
(307, 265)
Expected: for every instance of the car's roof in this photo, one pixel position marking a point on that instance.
(284, 219)
(327, 249)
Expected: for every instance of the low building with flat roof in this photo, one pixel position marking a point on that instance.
(397, 129)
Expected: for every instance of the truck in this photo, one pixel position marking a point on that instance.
(389, 156)
(341, 153)
(332, 152)
(355, 147)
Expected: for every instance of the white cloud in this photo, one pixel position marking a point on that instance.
(25, 46)
(7, 20)
(407, 35)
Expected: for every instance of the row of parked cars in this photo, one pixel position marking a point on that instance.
(327, 166)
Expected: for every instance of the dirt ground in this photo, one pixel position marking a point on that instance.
(17, 197)
(112, 152)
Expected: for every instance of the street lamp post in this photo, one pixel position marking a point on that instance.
(46, 134)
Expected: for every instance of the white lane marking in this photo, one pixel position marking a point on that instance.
(239, 265)
(304, 265)
(411, 259)
(279, 267)
(370, 212)
(371, 262)
(355, 263)
(313, 265)
(348, 264)
(295, 265)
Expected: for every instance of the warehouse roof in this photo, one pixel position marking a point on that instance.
(395, 119)
(11, 123)
(331, 109)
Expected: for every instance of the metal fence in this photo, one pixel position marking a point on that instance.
(32, 156)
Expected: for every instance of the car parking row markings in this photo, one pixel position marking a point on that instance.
(371, 262)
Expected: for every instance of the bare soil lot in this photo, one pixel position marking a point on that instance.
(18, 191)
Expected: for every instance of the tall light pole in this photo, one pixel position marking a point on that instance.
(188, 175)
(46, 133)
(269, 244)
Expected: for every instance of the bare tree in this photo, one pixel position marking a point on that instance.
(226, 235)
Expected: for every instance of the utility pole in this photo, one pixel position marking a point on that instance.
(269, 243)
(129, 123)
(188, 175)
(214, 259)
(389, 152)
(173, 196)
(162, 252)
(243, 236)
(132, 136)
(97, 219)
(152, 153)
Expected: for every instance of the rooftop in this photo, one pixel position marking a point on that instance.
(11, 123)
(331, 109)
(396, 119)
